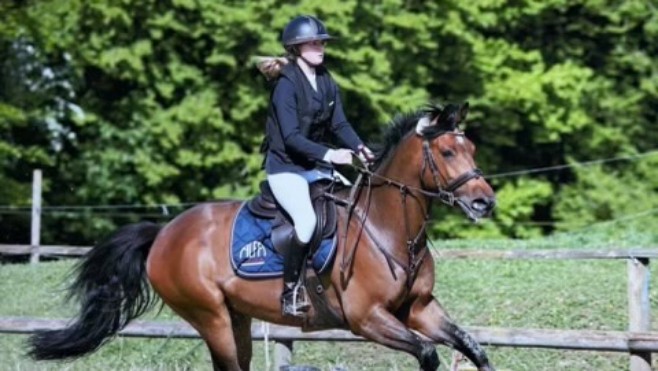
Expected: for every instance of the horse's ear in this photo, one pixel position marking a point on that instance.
(449, 116)
(463, 112)
(423, 123)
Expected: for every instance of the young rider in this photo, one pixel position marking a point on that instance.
(305, 108)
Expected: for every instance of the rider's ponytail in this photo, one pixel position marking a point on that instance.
(271, 66)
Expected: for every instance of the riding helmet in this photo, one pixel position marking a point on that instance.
(303, 28)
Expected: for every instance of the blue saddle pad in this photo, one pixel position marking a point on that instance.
(253, 254)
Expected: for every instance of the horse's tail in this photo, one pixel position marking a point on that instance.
(112, 287)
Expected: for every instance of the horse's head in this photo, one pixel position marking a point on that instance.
(448, 165)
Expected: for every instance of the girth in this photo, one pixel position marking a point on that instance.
(264, 205)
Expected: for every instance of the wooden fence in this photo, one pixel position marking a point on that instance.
(609, 341)
(638, 341)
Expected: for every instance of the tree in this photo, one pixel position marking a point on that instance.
(157, 102)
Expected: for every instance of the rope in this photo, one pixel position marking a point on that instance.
(188, 204)
(265, 327)
(576, 164)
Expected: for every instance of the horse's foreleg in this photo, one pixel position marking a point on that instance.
(428, 318)
(382, 327)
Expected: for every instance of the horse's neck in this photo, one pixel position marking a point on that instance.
(396, 216)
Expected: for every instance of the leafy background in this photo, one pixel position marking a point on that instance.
(157, 103)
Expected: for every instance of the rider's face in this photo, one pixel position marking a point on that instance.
(312, 52)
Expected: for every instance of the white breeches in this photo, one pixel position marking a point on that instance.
(292, 192)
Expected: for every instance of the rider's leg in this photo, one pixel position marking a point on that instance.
(292, 192)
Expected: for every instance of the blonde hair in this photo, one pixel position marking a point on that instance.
(271, 66)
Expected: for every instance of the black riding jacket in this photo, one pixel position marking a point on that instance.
(301, 120)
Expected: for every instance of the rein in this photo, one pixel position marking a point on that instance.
(416, 248)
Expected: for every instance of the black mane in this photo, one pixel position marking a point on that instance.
(405, 122)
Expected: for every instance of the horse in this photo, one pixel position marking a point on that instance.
(379, 287)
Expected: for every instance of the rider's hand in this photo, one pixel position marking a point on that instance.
(339, 156)
(365, 154)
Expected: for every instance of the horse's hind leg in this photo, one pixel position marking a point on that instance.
(228, 337)
(428, 318)
(226, 333)
(242, 338)
(210, 316)
(216, 329)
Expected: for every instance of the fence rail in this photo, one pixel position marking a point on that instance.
(639, 341)
(519, 254)
(45, 250)
(608, 341)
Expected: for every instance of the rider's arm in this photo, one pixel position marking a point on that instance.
(342, 128)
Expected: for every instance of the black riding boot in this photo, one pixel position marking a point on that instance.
(293, 298)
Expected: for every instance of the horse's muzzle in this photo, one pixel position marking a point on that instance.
(477, 208)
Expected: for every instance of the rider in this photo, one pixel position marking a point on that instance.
(305, 107)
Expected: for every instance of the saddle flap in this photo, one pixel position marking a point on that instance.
(325, 210)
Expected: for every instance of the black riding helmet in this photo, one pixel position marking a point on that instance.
(301, 29)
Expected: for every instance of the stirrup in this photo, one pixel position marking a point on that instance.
(295, 302)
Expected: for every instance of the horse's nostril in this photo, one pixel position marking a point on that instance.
(479, 204)
(482, 204)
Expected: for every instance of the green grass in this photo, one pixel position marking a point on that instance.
(531, 294)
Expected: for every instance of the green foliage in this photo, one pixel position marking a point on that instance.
(150, 102)
(518, 203)
(602, 195)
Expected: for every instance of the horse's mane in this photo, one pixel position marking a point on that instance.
(405, 122)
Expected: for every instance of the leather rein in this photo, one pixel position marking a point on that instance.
(415, 244)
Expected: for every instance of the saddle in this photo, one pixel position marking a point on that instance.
(264, 205)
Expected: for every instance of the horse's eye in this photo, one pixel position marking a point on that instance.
(447, 153)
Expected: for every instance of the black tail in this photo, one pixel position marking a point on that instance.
(113, 289)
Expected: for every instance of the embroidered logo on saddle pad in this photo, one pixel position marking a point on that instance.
(253, 254)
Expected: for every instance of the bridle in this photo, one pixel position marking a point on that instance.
(447, 194)
(416, 248)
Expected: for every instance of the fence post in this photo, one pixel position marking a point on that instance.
(639, 308)
(282, 354)
(35, 236)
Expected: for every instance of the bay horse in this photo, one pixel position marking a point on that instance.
(380, 285)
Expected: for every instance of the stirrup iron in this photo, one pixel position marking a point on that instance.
(295, 302)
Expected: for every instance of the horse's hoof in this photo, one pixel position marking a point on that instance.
(429, 359)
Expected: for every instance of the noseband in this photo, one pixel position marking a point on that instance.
(447, 194)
